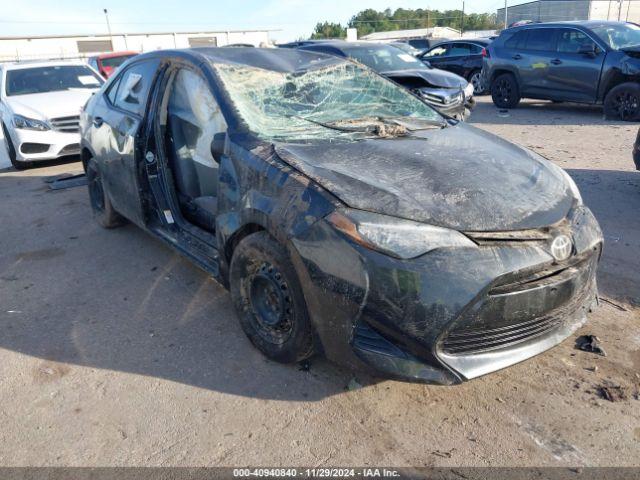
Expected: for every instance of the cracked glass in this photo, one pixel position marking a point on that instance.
(318, 103)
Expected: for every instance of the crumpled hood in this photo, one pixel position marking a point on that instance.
(44, 106)
(459, 177)
(432, 77)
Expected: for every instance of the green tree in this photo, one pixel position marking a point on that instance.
(329, 30)
(370, 20)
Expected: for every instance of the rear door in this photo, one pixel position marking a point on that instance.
(534, 61)
(121, 130)
(574, 76)
(437, 56)
(459, 57)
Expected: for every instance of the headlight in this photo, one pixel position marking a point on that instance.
(394, 236)
(29, 123)
(468, 90)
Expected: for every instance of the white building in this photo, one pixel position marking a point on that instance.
(561, 10)
(394, 35)
(81, 46)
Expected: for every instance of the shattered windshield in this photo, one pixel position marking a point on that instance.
(618, 35)
(330, 102)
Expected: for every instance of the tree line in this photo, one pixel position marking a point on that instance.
(369, 21)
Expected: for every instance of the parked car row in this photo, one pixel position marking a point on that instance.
(346, 216)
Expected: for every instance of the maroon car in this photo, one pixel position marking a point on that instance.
(107, 63)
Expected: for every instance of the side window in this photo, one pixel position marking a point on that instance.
(516, 40)
(113, 89)
(570, 40)
(539, 39)
(134, 85)
(459, 49)
(439, 51)
(475, 49)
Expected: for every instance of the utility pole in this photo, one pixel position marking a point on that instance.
(462, 20)
(505, 13)
(106, 15)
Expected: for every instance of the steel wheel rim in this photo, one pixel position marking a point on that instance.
(271, 304)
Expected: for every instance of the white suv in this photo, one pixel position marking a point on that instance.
(40, 107)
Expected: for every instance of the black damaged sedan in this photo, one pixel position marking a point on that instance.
(346, 216)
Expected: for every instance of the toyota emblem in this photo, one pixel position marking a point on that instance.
(561, 247)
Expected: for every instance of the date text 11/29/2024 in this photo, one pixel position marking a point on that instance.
(315, 472)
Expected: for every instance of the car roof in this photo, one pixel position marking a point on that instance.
(275, 59)
(40, 63)
(573, 23)
(115, 54)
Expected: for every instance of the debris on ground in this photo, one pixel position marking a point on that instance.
(442, 454)
(67, 181)
(503, 113)
(614, 304)
(612, 392)
(354, 384)
(590, 343)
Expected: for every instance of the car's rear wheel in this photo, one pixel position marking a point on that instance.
(623, 102)
(475, 79)
(268, 299)
(505, 91)
(11, 152)
(103, 210)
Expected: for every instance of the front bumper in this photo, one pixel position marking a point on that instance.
(35, 145)
(450, 315)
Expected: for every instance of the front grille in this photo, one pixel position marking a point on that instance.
(479, 339)
(29, 147)
(66, 124)
(524, 307)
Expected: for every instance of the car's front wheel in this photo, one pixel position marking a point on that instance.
(623, 102)
(269, 300)
(505, 91)
(11, 152)
(103, 210)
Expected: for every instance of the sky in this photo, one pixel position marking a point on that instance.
(292, 18)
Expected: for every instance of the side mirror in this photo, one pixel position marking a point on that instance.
(218, 145)
(426, 62)
(588, 49)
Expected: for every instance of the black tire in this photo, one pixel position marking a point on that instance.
(475, 79)
(505, 92)
(269, 301)
(103, 211)
(623, 102)
(11, 152)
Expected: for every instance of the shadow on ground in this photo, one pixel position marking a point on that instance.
(541, 112)
(614, 198)
(121, 300)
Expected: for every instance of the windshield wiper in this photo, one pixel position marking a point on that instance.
(329, 125)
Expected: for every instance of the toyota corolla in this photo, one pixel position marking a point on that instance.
(346, 216)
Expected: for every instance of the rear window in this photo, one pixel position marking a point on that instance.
(25, 81)
(516, 40)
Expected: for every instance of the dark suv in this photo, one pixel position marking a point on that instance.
(586, 62)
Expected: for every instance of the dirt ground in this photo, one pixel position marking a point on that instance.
(114, 350)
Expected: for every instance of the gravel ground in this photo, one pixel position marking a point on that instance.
(116, 351)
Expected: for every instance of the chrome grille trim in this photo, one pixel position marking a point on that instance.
(70, 124)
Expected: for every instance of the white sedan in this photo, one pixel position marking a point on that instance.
(40, 105)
